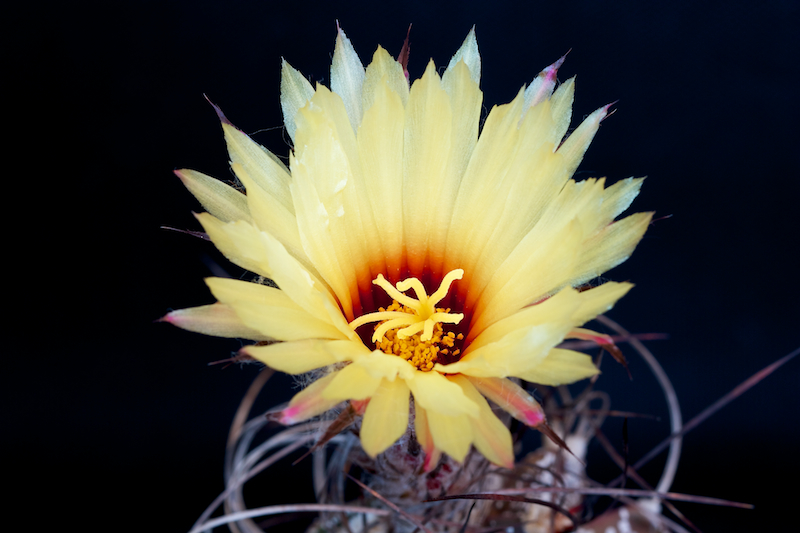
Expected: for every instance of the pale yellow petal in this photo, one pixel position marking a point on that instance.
(578, 142)
(482, 187)
(561, 367)
(383, 71)
(610, 247)
(347, 77)
(514, 354)
(561, 110)
(216, 197)
(467, 99)
(386, 417)
(270, 311)
(489, 435)
(598, 300)
(451, 434)
(380, 146)
(302, 286)
(352, 382)
(435, 393)
(239, 241)
(269, 214)
(303, 356)
(618, 197)
(219, 320)
(558, 308)
(296, 91)
(261, 164)
(428, 167)
(525, 278)
(468, 53)
(382, 365)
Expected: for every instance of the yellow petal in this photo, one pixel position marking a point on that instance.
(303, 356)
(239, 241)
(303, 286)
(270, 215)
(380, 146)
(436, 394)
(262, 165)
(451, 434)
(578, 142)
(386, 417)
(385, 366)
(561, 367)
(558, 308)
(610, 247)
(513, 355)
(489, 435)
(352, 382)
(598, 300)
(219, 199)
(528, 277)
(428, 168)
(219, 320)
(295, 93)
(383, 71)
(270, 311)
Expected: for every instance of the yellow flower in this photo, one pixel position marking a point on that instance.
(413, 256)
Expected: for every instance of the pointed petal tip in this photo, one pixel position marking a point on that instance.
(605, 113)
(552, 71)
(220, 114)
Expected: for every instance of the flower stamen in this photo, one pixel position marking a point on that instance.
(412, 328)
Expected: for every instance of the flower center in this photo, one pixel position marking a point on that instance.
(412, 328)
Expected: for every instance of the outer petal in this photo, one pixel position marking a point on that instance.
(219, 199)
(347, 77)
(610, 247)
(451, 434)
(598, 300)
(270, 311)
(309, 402)
(489, 435)
(383, 70)
(386, 417)
(352, 382)
(429, 170)
(219, 320)
(303, 356)
(262, 165)
(436, 394)
(516, 353)
(511, 398)
(295, 93)
(561, 367)
(425, 438)
(468, 53)
(558, 308)
(271, 216)
(239, 241)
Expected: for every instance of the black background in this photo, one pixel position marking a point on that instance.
(113, 421)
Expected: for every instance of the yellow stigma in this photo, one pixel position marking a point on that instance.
(409, 328)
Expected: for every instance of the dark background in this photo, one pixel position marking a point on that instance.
(113, 421)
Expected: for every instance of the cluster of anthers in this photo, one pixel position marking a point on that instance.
(412, 329)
